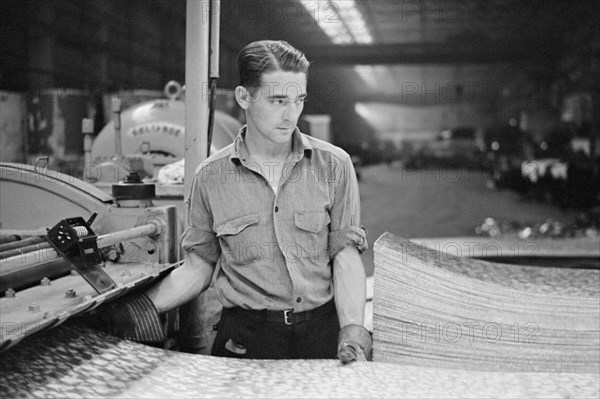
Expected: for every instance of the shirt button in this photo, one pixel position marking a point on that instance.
(298, 299)
(276, 209)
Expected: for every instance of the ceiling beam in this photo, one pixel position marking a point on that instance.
(428, 53)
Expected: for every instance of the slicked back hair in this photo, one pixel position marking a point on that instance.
(265, 56)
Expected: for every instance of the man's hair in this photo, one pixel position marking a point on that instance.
(265, 56)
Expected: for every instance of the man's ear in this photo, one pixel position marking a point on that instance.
(242, 96)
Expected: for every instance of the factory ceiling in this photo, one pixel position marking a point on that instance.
(429, 31)
(386, 57)
(378, 39)
(370, 46)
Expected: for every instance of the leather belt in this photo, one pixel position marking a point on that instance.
(287, 317)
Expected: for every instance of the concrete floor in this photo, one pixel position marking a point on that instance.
(439, 203)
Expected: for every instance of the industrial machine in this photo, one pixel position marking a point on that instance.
(122, 224)
(148, 136)
(81, 248)
(70, 244)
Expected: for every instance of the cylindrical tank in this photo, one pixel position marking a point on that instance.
(158, 127)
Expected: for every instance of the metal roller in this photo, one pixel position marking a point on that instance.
(27, 268)
(81, 231)
(23, 250)
(21, 243)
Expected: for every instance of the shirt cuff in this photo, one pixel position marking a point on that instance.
(350, 235)
(203, 243)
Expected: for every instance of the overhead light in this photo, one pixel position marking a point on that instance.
(344, 24)
(340, 20)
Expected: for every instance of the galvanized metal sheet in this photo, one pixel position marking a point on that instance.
(74, 361)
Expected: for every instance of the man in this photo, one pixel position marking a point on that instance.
(274, 223)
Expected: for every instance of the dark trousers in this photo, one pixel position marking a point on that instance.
(247, 334)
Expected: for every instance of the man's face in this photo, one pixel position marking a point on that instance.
(275, 107)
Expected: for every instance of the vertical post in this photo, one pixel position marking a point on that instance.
(196, 87)
(87, 129)
(116, 109)
(215, 26)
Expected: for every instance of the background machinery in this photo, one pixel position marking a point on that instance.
(125, 223)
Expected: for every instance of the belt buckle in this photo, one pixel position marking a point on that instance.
(286, 315)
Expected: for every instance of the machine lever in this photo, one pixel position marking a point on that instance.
(75, 241)
(92, 218)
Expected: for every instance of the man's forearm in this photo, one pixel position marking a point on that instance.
(349, 284)
(182, 284)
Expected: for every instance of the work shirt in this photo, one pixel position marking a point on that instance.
(270, 249)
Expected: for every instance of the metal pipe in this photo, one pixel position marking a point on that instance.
(25, 233)
(211, 114)
(87, 129)
(18, 279)
(21, 243)
(36, 242)
(7, 239)
(34, 258)
(214, 67)
(23, 250)
(196, 82)
(116, 108)
(145, 230)
(215, 26)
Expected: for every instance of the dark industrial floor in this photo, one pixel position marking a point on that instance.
(439, 203)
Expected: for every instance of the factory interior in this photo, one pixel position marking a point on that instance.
(473, 128)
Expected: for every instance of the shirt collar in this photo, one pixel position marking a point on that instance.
(300, 146)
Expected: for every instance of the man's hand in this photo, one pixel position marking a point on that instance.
(354, 344)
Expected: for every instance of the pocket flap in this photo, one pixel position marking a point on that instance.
(312, 221)
(235, 226)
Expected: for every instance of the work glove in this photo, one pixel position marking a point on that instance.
(351, 235)
(354, 344)
(133, 317)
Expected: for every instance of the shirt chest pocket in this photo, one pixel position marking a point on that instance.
(311, 233)
(239, 240)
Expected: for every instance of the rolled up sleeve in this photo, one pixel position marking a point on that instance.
(199, 237)
(345, 228)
